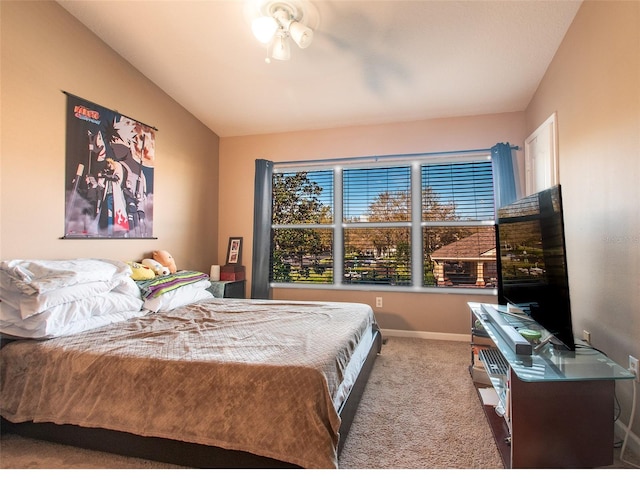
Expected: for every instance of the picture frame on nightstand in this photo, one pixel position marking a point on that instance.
(234, 250)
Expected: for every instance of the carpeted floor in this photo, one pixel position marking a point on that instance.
(419, 410)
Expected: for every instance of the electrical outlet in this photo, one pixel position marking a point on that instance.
(634, 367)
(378, 301)
(586, 336)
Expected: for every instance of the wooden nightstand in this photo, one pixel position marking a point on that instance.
(233, 289)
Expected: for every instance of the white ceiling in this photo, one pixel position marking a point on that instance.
(370, 62)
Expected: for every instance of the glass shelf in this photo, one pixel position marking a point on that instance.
(550, 363)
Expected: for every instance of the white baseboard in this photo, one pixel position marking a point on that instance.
(425, 335)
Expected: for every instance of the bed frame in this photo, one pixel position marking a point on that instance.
(183, 453)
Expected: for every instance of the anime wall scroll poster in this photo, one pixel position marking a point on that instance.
(109, 173)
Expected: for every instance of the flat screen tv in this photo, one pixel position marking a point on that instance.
(532, 262)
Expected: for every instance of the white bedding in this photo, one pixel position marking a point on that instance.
(38, 276)
(353, 369)
(50, 325)
(46, 299)
(31, 304)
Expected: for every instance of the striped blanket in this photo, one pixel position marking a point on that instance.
(155, 287)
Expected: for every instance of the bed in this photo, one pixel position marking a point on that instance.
(178, 376)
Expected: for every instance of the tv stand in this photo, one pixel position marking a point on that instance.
(555, 408)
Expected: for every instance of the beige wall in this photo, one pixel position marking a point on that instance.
(429, 313)
(45, 51)
(594, 85)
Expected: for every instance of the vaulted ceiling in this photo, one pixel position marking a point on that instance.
(370, 62)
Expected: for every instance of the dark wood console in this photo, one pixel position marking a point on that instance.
(555, 408)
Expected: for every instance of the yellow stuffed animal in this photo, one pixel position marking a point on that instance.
(140, 272)
(164, 258)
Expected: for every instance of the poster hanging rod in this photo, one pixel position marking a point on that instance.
(90, 238)
(93, 103)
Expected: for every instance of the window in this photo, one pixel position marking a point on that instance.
(456, 198)
(420, 222)
(302, 227)
(377, 225)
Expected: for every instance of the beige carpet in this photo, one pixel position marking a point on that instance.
(419, 410)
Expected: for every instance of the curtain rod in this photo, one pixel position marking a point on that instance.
(389, 157)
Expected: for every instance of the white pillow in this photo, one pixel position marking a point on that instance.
(184, 295)
(37, 276)
(90, 323)
(29, 305)
(128, 287)
(61, 319)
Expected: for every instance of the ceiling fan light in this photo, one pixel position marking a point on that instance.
(301, 34)
(281, 49)
(264, 28)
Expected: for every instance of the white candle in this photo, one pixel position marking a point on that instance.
(215, 273)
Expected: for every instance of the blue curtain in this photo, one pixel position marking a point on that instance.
(262, 211)
(505, 183)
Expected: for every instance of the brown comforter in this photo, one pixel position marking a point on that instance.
(256, 376)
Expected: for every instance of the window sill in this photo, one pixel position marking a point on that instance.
(388, 289)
